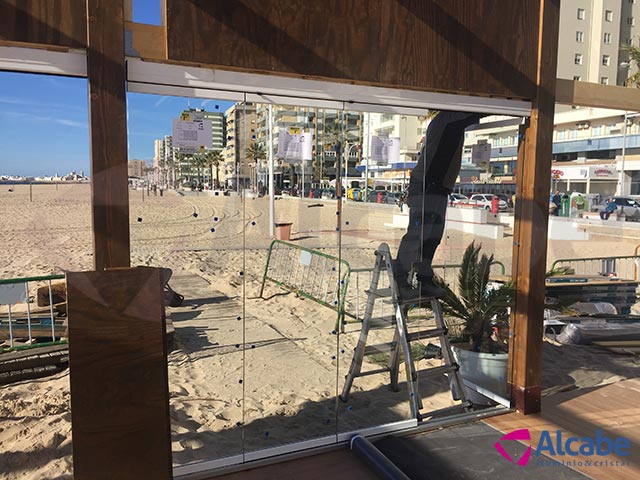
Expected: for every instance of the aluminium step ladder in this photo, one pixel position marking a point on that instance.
(400, 345)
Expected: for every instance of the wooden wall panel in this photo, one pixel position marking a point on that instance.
(486, 47)
(119, 382)
(48, 22)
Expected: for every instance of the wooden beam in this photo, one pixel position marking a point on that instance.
(531, 223)
(585, 94)
(108, 132)
(149, 41)
(119, 384)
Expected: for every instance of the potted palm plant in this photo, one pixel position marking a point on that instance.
(480, 346)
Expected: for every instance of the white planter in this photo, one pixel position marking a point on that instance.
(487, 370)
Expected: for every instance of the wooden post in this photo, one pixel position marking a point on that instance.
(531, 222)
(108, 132)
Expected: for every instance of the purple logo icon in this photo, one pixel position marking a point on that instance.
(522, 434)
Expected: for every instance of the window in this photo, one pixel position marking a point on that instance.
(631, 21)
(607, 38)
(578, 59)
(581, 14)
(604, 80)
(597, 131)
(606, 60)
(577, 78)
(608, 15)
(561, 134)
(580, 37)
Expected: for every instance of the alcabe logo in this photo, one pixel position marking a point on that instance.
(557, 448)
(518, 435)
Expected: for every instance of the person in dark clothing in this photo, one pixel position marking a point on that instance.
(431, 182)
(556, 200)
(609, 209)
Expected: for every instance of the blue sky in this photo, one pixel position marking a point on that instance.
(44, 119)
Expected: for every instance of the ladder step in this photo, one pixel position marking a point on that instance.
(372, 372)
(377, 323)
(435, 371)
(418, 301)
(380, 292)
(447, 410)
(424, 334)
(379, 348)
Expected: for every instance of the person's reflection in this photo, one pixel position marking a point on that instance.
(431, 182)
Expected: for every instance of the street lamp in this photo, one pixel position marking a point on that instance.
(346, 168)
(624, 147)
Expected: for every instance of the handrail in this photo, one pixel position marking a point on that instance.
(435, 266)
(613, 258)
(9, 281)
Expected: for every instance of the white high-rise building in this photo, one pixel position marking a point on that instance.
(592, 37)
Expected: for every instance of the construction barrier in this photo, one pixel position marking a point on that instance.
(308, 273)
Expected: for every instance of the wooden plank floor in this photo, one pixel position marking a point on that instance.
(614, 409)
(337, 465)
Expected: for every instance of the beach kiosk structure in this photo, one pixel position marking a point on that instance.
(399, 56)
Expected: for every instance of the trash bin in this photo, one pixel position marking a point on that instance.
(283, 231)
(495, 204)
(564, 207)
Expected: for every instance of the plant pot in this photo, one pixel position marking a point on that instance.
(283, 231)
(487, 370)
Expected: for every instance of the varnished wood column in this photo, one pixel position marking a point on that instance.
(531, 222)
(108, 132)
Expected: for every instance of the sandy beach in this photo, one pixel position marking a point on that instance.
(245, 373)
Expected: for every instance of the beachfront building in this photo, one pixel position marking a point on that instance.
(392, 174)
(241, 132)
(593, 153)
(163, 160)
(336, 135)
(592, 40)
(184, 162)
(137, 168)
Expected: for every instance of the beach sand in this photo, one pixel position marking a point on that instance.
(282, 348)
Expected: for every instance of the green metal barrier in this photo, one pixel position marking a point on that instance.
(31, 279)
(311, 274)
(16, 290)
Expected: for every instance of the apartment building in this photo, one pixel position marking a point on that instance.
(592, 37)
(136, 168)
(241, 130)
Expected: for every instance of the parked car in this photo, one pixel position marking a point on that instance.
(507, 198)
(372, 196)
(484, 200)
(458, 198)
(627, 205)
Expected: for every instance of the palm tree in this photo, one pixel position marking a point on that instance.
(181, 157)
(214, 159)
(634, 57)
(335, 136)
(199, 162)
(256, 152)
(477, 305)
